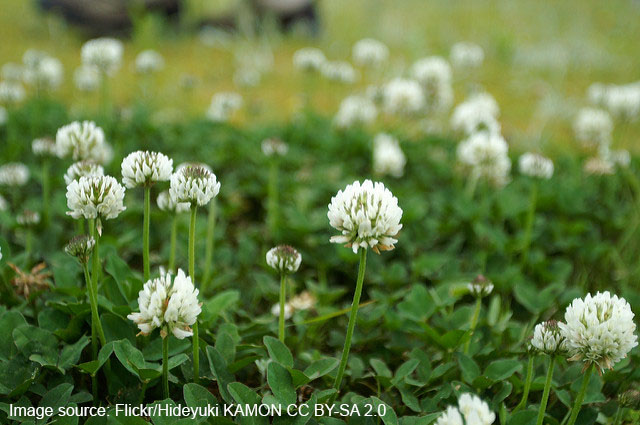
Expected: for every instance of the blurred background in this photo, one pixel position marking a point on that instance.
(540, 57)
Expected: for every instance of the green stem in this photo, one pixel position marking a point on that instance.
(94, 338)
(580, 397)
(208, 250)
(192, 273)
(174, 237)
(272, 199)
(95, 272)
(547, 389)
(143, 391)
(46, 184)
(527, 386)
(472, 183)
(474, 323)
(619, 415)
(145, 232)
(352, 318)
(529, 223)
(283, 286)
(165, 366)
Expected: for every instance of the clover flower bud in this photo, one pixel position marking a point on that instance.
(284, 259)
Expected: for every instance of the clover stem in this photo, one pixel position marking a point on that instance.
(580, 397)
(547, 390)
(95, 272)
(94, 338)
(174, 236)
(192, 273)
(208, 250)
(145, 232)
(527, 386)
(352, 319)
(283, 280)
(165, 366)
(473, 324)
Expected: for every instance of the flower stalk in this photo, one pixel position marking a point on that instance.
(192, 273)
(283, 292)
(208, 250)
(174, 237)
(145, 232)
(95, 272)
(473, 324)
(546, 391)
(352, 318)
(581, 393)
(527, 386)
(165, 366)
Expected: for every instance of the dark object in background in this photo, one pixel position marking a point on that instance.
(112, 17)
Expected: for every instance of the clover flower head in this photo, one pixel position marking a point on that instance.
(309, 59)
(478, 113)
(46, 73)
(284, 258)
(81, 247)
(630, 398)
(480, 287)
(485, 155)
(388, 157)
(11, 92)
(44, 147)
(86, 78)
(339, 71)
(355, 110)
(14, 174)
(303, 301)
(593, 127)
(367, 215)
(616, 157)
(28, 218)
(168, 303)
(166, 203)
(598, 166)
(95, 197)
(548, 338)
(403, 96)
(144, 168)
(81, 140)
(32, 57)
(370, 52)
(434, 74)
(599, 329)
(535, 165)
(466, 55)
(623, 101)
(274, 146)
(223, 106)
(288, 310)
(471, 408)
(194, 185)
(103, 53)
(82, 169)
(149, 61)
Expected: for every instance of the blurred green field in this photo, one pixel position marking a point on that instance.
(540, 56)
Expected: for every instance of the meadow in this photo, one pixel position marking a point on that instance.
(448, 241)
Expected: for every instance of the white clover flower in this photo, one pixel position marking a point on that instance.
(535, 165)
(388, 157)
(477, 113)
(619, 157)
(86, 78)
(288, 310)
(170, 304)
(144, 168)
(485, 155)
(480, 287)
(80, 141)
(11, 92)
(369, 52)
(223, 105)
(367, 215)
(450, 417)
(12, 72)
(596, 93)
(44, 147)
(32, 57)
(548, 338)
(166, 203)
(623, 101)
(14, 174)
(355, 110)
(474, 410)
(466, 55)
(184, 165)
(309, 59)
(149, 61)
(28, 218)
(46, 73)
(81, 247)
(303, 301)
(593, 127)
(103, 53)
(598, 166)
(434, 74)
(95, 197)
(274, 146)
(82, 169)
(403, 96)
(339, 71)
(284, 258)
(599, 329)
(194, 185)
